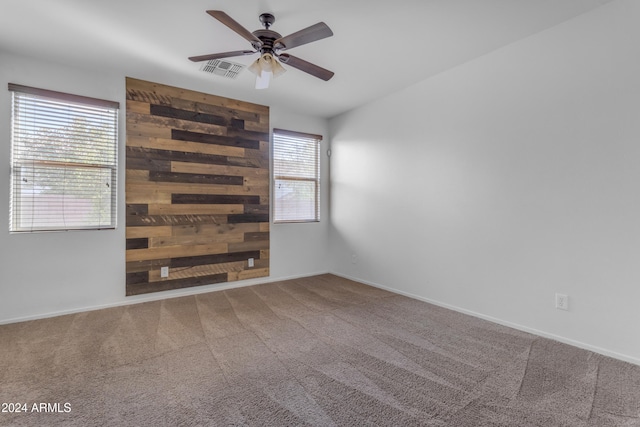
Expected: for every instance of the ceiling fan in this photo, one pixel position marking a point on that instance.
(269, 44)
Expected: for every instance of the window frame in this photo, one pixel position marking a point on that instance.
(105, 166)
(306, 138)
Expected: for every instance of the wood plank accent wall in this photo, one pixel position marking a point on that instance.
(197, 188)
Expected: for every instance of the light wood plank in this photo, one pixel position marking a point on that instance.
(137, 175)
(147, 130)
(186, 146)
(198, 239)
(154, 197)
(138, 107)
(253, 273)
(141, 232)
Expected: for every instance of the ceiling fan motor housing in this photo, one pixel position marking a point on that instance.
(267, 37)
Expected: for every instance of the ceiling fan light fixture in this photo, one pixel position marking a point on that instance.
(277, 69)
(255, 67)
(263, 79)
(268, 63)
(265, 68)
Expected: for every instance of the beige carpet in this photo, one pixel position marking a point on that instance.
(318, 351)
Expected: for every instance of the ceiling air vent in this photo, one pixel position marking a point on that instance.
(222, 68)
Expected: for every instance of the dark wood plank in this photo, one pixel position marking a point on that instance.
(180, 156)
(140, 266)
(212, 199)
(248, 134)
(256, 209)
(253, 237)
(141, 243)
(230, 141)
(137, 278)
(237, 123)
(148, 164)
(192, 116)
(192, 178)
(137, 209)
(240, 218)
(213, 259)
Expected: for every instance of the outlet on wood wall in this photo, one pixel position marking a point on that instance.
(197, 188)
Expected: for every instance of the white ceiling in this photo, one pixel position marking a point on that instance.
(378, 46)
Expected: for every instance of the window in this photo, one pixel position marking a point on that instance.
(296, 175)
(63, 161)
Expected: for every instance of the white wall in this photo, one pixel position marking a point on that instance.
(50, 273)
(493, 186)
(301, 249)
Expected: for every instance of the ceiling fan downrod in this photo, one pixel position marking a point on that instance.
(267, 20)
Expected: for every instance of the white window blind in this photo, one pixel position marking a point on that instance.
(296, 173)
(63, 161)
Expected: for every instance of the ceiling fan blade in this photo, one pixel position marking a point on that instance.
(221, 55)
(231, 23)
(310, 34)
(305, 66)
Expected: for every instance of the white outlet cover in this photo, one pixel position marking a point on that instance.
(562, 302)
(164, 271)
(251, 264)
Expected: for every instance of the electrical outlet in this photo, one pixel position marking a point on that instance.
(562, 302)
(164, 272)
(251, 264)
(354, 258)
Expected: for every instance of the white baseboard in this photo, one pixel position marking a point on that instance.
(519, 327)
